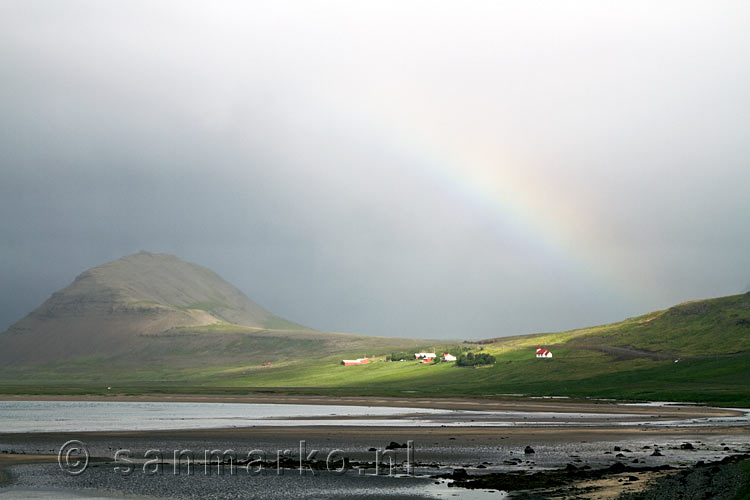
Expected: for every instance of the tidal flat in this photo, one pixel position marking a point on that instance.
(442, 459)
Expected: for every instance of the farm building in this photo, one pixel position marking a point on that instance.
(448, 357)
(358, 361)
(543, 353)
(424, 355)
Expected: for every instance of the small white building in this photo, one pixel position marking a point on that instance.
(543, 353)
(448, 357)
(424, 355)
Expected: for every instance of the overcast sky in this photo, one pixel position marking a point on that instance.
(433, 169)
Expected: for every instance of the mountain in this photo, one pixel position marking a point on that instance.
(156, 317)
(106, 308)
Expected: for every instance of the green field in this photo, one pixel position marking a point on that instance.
(633, 359)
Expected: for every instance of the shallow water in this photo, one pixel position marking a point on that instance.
(82, 416)
(43, 481)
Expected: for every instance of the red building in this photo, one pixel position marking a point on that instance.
(358, 361)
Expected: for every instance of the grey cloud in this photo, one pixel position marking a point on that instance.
(300, 150)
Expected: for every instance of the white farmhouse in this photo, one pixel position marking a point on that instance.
(424, 355)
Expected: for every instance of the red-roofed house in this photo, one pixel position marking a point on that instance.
(543, 353)
(358, 361)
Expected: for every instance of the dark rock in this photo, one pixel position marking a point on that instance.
(528, 450)
(687, 446)
(656, 453)
(393, 445)
(460, 474)
(617, 468)
(616, 448)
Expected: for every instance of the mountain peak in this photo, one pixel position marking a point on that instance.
(142, 293)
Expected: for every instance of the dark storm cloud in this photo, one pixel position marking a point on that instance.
(294, 149)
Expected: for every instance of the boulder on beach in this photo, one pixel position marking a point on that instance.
(460, 474)
(393, 445)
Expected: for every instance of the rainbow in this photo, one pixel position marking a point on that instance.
(498, 192)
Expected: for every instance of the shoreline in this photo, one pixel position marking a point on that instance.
(486, 457)
(449, 449)
(606, 478)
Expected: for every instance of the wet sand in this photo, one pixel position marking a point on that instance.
(357, 434)
(7, 460)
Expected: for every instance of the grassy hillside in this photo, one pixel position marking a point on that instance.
(196, 354)
(697, 351)
(632, 359)
(719, 326)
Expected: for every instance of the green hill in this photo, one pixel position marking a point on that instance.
(698, 328)
(698, 351)
(150, 323)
